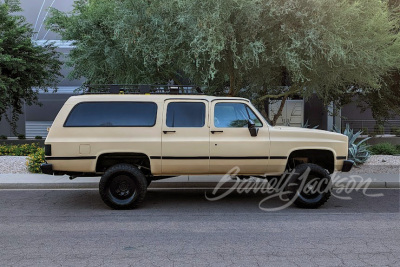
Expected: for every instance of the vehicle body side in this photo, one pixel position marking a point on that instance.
(165, 151)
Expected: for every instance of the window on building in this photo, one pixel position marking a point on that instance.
(112, 114)
(186, 114)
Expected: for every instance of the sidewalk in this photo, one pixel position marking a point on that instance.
(43, 181)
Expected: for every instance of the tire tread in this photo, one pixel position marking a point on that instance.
(300, 169)
(140, 181)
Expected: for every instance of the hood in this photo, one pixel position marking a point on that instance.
(312, 132)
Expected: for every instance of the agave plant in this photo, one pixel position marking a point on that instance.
(307, 125)
(359, 152)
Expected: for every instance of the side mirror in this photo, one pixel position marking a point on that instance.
(252, 128)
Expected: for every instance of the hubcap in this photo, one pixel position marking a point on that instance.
(122, 187)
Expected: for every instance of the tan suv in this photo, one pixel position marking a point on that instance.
(132, 139)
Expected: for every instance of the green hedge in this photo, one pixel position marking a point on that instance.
(34, 161)
(34, 153)
(385, 149)
(18, 150)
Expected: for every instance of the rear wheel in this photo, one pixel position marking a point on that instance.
(123, 186)
(309, 186)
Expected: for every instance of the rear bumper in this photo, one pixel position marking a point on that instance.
(47, 168)
(347, 165)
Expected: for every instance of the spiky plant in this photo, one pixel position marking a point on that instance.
(307, 125)
(358, 152)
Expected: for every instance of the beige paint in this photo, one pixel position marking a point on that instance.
(185, 142)
(237, 142)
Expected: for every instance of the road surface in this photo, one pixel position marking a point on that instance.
(182, 228)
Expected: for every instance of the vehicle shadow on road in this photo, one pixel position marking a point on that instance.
(186, 200)
(174, 201)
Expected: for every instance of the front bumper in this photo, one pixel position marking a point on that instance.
(47, 168)
(347, 165)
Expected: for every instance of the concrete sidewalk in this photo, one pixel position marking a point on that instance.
(43, 181)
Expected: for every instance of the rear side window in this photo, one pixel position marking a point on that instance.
(186, 114)
(112, 114)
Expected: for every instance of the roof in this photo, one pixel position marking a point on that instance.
(155, 98)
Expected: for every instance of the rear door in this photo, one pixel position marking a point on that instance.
(185, 137)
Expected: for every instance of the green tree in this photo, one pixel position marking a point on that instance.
(389, 96)
(103, 54)
(258, 48)
(23, 65)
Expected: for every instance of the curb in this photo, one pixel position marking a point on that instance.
(171, 185)
(41, 181)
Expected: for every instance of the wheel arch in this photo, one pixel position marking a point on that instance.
(140, 160)
(319, 156)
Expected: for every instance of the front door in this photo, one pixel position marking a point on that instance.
(232, 145)
(185, 137)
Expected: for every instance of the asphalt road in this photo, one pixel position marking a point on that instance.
(182, 228)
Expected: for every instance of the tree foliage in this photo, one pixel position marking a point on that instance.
(257, 48)
(23, 65)
(388, 97)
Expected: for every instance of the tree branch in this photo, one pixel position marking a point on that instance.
(292, 90)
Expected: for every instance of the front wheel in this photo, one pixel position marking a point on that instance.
(123, 186)
(309, 186)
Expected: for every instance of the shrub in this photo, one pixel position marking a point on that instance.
(35, 160)
(384, 149)
(359, 153)
(307, 125)
(38, 137)
(398, 149)
(18, 150)
(379, 129)
(3, 137)
(396, 131)
(21, 136)
(364, 131)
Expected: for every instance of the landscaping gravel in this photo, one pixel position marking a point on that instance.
(375, 164)
(379, 164)
(13, 164)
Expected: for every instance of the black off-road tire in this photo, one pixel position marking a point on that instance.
(296, 186)
(123, 186)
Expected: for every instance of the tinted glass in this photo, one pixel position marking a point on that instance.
(234, 115)
(186, 114)
(112, 114)
(253, 117)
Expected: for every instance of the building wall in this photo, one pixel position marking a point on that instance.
(51, 105)
(5, 128)
(315, 113)
(364, 120)
(352, 112)
(36, 11)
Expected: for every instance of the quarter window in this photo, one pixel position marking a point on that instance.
(234, 115)
(186, 114)
(112, 114)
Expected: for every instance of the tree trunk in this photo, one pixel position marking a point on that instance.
(279, 113)
(231, 82)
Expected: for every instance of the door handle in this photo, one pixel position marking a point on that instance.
(165, 132)
(213, 132)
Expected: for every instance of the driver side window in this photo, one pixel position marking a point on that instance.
(234, 115)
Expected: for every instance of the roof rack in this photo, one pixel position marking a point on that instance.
(142, 89)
